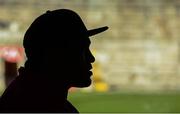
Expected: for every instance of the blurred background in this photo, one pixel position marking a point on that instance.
(137, 59)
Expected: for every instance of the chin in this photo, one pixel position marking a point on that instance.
(81, 80)
(86, 83)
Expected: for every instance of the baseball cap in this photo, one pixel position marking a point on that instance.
(55, 27)
(75, 17)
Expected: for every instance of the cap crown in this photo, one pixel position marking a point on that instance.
(54, 28)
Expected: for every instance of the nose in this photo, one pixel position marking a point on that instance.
(91, 58)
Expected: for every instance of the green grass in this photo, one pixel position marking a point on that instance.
(125, 102)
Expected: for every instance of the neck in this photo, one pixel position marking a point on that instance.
(58, 89)
(49, 84)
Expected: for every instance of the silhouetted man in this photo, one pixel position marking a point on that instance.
(58, 57)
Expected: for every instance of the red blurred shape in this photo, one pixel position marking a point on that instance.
(11, 53)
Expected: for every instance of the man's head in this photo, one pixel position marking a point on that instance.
(58, 42)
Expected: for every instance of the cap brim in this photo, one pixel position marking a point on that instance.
(97, 31)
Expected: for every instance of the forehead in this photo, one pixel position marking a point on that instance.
(82, 42)
(87, 41)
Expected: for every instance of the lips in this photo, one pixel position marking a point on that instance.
(90, 67)
(90, 73)
(89, 70)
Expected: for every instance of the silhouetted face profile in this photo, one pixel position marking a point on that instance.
(80, 63)
(58, 44)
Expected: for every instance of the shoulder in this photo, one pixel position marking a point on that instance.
(70, 108)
